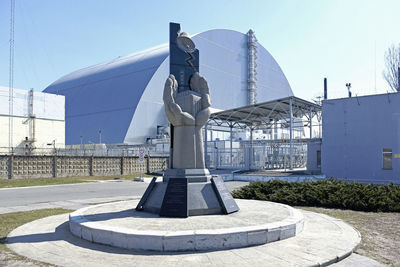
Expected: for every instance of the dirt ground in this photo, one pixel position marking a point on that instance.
(11, 260)
(380, 232)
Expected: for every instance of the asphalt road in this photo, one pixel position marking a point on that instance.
(11, 197)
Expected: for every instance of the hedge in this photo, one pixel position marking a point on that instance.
(329, 193)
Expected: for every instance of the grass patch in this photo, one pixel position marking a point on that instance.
(9, 183)
(380, 232)
(329, 193)
(10, 221)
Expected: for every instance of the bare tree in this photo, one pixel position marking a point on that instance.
(392, 67)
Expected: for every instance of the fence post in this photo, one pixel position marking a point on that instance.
(55, 166)
(10, 166)
(91, 166)
(122, 165)
(148, 164)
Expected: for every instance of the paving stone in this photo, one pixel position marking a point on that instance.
(322, 241)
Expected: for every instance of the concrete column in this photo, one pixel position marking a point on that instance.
(54, 166)
(10, 166)
(122, 165)
(290, 135)
(91, 166)
(148, 164)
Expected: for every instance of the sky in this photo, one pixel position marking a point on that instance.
(343, 40)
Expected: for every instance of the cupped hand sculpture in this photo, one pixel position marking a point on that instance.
(175, 113)
(187, 111)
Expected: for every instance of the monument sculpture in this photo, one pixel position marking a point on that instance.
(187, 187)
(187, 111)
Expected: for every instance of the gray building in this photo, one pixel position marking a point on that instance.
(361, 138)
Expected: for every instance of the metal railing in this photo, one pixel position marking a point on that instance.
(258, 156)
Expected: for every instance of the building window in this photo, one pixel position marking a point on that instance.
(387, 158)
(319, 158)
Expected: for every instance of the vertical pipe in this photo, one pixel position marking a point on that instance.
(398, 79)
(325, 89)
(171, 145)
(311, 116)
(251, 148)
(290, 135)
(230, 140)
(205, 145)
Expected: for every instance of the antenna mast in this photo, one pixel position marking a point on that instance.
(11, 79)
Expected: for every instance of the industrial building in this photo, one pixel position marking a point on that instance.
(361, 138)
(120, 101)
(37, 121)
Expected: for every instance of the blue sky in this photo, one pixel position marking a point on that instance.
(344, 41)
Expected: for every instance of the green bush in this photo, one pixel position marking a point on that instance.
(329, 193)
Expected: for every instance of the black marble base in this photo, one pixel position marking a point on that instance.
(178, 197)
(224, 196)
(175, 202)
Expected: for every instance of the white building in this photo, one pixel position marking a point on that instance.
(122, 98)
(38, 120)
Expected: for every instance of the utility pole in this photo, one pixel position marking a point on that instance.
(11, 80)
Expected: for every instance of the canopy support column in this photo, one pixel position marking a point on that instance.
(230, 145)
(311, 116)
(206, 161)
(291, 134)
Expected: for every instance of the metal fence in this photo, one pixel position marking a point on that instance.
(268, 154)
(273, 155)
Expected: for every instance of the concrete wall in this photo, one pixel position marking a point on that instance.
(355, 132)
(45, 132)
(313, 148)
(47, 125)
(65, 166)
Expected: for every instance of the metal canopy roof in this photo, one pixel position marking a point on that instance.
(266, 113)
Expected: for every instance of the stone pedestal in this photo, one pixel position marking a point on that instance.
(201, 199)
(204, 194)
(193, 175)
